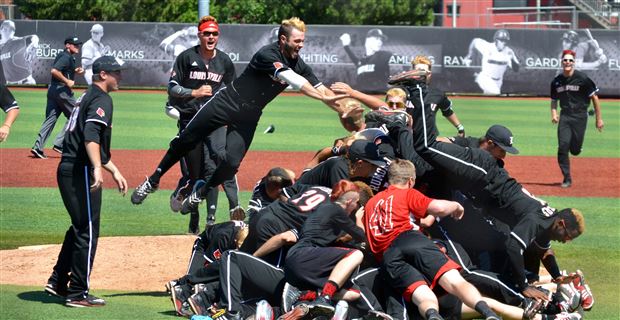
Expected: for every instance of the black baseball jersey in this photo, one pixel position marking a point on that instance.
(65, 63)
(16, 56)
(259, 198)
(372, 71)
(259, 84)
(467, 142)
(325, 225)
(91, 120)
(7, 101)
(573, 92)
(218, 238)
(326, 173)
(191, 71)
(294, 211)
(434, 100)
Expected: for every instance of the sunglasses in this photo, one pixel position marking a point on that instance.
(395, 105)
(209, 33)
(568, 60)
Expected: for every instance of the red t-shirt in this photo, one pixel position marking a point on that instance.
(387, 216)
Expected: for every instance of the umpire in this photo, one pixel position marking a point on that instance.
(59, 95)
(574, 90)
(86, 149)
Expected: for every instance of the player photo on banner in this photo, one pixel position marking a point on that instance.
(17, 54)
(480, 61)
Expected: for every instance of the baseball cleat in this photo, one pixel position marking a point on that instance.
(264, 311)
(290, 294)
(176, 198)
(568, 316)
(142, 191)
(299, 312)
(53, 289)
(191, 203)
(89, 301)
(237, 213)
(342, 311)
(321, 306)
(198, 304)
(532, 307)
(569, 297)
(587, 299)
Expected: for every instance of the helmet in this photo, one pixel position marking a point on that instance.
(571, 36)
(501, 34)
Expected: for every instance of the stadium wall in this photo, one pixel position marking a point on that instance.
(149, 61)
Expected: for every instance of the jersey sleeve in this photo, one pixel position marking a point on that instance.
(418, 203)
(270, 62)
(589, 87)
(62, 63)
(229, 73)
(178, 70)
(100, 111)
(305, 71)
(7, 101)
(553, 92)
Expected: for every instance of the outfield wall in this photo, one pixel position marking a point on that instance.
(149, 60)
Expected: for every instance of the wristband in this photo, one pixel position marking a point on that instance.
(460, 127)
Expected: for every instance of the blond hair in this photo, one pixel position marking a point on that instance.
(422, 60)
(400, 171)
(355, 120)
(287, 25)
(206, 19)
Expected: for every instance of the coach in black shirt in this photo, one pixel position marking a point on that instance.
(574, 90)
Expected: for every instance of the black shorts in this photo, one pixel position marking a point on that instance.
(310, 267)
(413, 260)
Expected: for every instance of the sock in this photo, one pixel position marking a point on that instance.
(307, 295)
(430, 313)
(483, 308)
(329, 289)
(155, 177)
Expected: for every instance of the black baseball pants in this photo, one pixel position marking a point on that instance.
(80, 244)
(571, 134)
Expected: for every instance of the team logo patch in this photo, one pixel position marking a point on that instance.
(278, 65)
(100, 112)
(217, 254)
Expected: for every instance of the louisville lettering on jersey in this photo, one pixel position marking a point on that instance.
(198, 75)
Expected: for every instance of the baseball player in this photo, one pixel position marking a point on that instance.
(60, 97)
(17, 54)
(269, 188)
(409, 258)
(80, 179)
(574, 91)
(198, 73)
(373, 69)
(312, 263)
(10, 107)
(588, 54)
(239, 106)
(92, 49)
(496, 58)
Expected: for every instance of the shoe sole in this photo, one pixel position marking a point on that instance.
(194, 306)
(299, 312)
(53, 292)
(174, 299)
(82, 305)
(318, 311)
(57, 150)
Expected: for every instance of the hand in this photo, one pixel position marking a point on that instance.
(599, 125)
(120, 182)
(34, 40)
(461, 133)
(602, 59)
(458, 213)
(534, 293)
(70, 83)
(332, 101)
(203, 91)
(345, 38)
(341, 87)
(555, 119)
(4, 132)
(79, 70)
(565, 279)
(97, 179)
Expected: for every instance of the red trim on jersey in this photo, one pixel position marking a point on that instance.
(387, 216)
(208, 24)
(411, 288)
(450, 265)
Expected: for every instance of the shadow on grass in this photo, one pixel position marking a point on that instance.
(546, 184)
(40, 296)
(139, 294)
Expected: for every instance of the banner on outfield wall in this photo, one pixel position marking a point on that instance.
(464, 60)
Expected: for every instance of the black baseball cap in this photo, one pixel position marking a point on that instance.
(107, 64)
(367, 151)
(376, 33)
(502, 137)
(73, 40)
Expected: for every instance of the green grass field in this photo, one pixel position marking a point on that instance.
(36, 216)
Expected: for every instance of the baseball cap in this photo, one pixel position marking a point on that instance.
(376, 33)
(107, 64)
(73, 40)
(96, 28)
(367, 151)
(502, 137)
